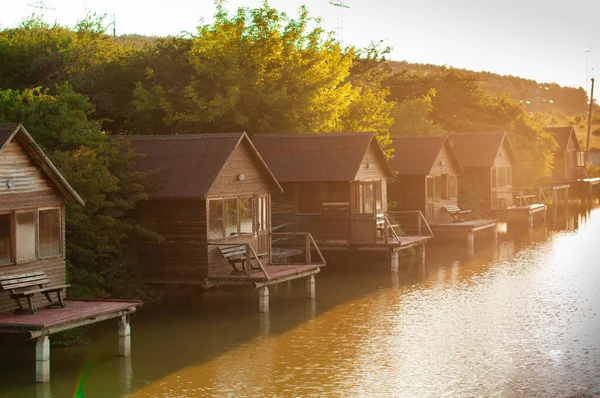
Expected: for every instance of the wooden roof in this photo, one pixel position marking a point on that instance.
(562, 135)
(318, 157)
(480, 149)
(416, 154)
(190, 163)
(16, 131)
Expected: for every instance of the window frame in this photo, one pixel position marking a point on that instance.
(60, 232)
(35, 236)
(13, 247)
(223, 199)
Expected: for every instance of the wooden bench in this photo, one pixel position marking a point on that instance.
(26, 285)
(457, 214)
(236, 256)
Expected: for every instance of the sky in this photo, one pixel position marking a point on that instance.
(545, 40)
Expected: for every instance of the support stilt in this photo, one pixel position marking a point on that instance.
(421, 253)
(124, 336)
(310, 287)
(554, 198)
(263, 299)
(394, 261)
(265, 324)
(471, 240)
(42, 359)
(530, 220)
(566, 196)
(495, 235)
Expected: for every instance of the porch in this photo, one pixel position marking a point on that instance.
(467, 231)
(79, 312)
(290, 255)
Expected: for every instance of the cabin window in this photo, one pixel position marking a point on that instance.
(438, 187)
(452, 186)
(215, 219)
(429, 188)
(365, 197)
(369, 205)
(509, 176)
(49, 232)
(308, 198)
(445, 184)
(5, 239)
(246, 214)
(493, 177)
(379, 195)
(580, 159)
(231, 217)
(25, 236)
(262, 213)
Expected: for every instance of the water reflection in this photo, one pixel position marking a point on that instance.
(520, 319)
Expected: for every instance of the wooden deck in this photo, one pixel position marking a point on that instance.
(78, 312)
(470, 225)
(276, 274)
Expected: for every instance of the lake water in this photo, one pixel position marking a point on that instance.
(520, 320)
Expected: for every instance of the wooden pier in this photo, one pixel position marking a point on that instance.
(466, 231)
(529, 215)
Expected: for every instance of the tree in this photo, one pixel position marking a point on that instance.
(100, 237)
(413, 116)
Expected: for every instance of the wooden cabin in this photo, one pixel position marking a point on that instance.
(569, 159)
(32, 252)
(487, 160)
(215, 193)
(335, 187)
(427, 171)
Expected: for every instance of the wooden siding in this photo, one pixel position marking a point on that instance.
(228, 183)
(408, 192)
(373, 173)
(182, 225)
(565, 163)
(17, 165)
(333, 224)
(503, 193)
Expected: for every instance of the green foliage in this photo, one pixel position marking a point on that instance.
(100, 235)
(413, 116)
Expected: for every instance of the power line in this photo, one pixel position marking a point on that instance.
(41, 5)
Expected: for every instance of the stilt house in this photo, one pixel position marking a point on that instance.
(427, 170)
(569, 161)
(32, 252)
(487, 160)
(213, 207)
(335, 187)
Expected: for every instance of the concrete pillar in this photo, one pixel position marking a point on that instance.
(310, 287)
(495, 235)
(567, 197)
(265, 324)
(471, 239)
(394, 261)
(263, 299)
(43, 390)
(421, 253)
(530, 220)
(124, 336)
(42, 359)
(126, 372)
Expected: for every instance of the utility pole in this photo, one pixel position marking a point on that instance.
(587, 147)
(340, 17)
(587, 52)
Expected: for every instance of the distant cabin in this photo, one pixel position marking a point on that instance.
(487, 160)
(427, 171)
(334, 184)
(32, 212)
(569, 160)
(214, 188)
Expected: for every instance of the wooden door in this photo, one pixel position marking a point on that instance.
(363, 220)
(264, 224)
(429, 196)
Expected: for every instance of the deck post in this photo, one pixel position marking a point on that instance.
(421, 253)
(530, 219)
(554, 198)
(310, 287)
(42, 359)
(263, 299)
(124, 336)
(394, 261)
(471, 240)
(567, 196)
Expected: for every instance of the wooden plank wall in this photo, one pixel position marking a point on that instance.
(332, 224)
(502, 159)
(408, 192)
(16, 164)
(443, 165)
(183, 226)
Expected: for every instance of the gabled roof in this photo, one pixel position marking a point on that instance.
(562, 135)
(480, 149)
(16, 131)
(190, 163)
(318, 157)
(416, 154)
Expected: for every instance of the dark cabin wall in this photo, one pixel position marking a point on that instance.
(183, 254)
(333, 222)
(32, 191)
(408, 191)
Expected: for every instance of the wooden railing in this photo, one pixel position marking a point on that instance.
(246, 256)
(410, 222)
(298, 243)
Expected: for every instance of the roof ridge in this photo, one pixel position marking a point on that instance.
(142, 137)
